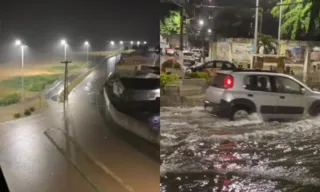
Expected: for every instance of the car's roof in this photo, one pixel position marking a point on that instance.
(253, 72)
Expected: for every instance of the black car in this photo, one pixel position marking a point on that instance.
(212, 65)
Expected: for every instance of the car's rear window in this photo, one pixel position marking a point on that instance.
(140, 83)
(218, 79)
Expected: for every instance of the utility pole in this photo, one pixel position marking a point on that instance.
(66, 62)
(255, 48)
(279, 28)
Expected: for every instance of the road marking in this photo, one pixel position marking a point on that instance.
(98, 163)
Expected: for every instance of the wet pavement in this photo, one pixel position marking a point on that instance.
(200, 152)
(75, 148)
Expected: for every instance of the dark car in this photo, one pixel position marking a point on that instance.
(134, 91)
(212, 66)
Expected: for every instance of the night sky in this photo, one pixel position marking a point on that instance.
(41, 23)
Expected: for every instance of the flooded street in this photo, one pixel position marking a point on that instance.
(200, 152)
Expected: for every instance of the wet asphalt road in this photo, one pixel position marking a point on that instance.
(74, 148)
(200, 152)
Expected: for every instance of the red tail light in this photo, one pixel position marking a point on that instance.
(228, 82)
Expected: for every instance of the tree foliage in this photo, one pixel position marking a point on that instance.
(295, 17)
(170, 25)
(268, 43)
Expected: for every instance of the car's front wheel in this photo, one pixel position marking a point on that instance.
(239, 114)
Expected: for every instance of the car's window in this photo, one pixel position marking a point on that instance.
(209, 65)
(257, 83)
(228, 65)
(219, 64)
(187, 54)
(286, 85)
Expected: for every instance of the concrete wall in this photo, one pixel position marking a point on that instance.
(241, 50)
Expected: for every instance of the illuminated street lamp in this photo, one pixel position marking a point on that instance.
(209, 31)
(138, 42)
(131, 42)
(64, 44)
(144, 42)
(87, 44)
(201, 22)
(121, 42)
(22, 46)
(112, 42)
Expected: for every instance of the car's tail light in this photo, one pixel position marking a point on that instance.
(228, 82)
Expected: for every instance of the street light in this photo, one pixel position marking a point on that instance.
(209, 31)
(201, 22)
(87, 46)
(112, 42)
(144, 42)
(131, 42)
(22, 46)
(138, 42)
(64, 44)
(121, 42)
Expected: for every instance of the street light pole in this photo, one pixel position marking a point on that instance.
(22, 72)
(65, 52)
(279, 28)
(255, 49)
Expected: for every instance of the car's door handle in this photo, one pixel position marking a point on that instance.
(250, 95)
(282, 97)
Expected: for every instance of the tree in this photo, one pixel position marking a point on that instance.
(170, 25)
(295, 17)
(268, 43)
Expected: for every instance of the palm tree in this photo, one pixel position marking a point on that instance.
(268, 43)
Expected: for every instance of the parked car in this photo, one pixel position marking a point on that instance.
(196, 52)
(170, 51)
(238, 93)
(134, 90)
(212, 66)
(188, 59)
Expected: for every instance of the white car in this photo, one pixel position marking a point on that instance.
(196, 53)
(275, 96)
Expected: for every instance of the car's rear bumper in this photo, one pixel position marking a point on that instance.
(222, 109)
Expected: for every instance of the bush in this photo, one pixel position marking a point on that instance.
(27, 112)
(10, 99)
(167, 78)
(17, 115)
(31, 109)
(198, 75)
(169, 63)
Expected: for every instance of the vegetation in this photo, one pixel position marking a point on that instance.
(170, 25)
(198, 75)
(166, 79)
(10, 99)
(27, 112)
(17, 115)
(268, 43)
(31, 109)
(171, 63)
(35, 83)
(299, 17)
(72, 67)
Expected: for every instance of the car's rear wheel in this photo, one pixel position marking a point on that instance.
(315, 111)
(239, 113)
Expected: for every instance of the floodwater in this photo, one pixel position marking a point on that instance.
(200, 152)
